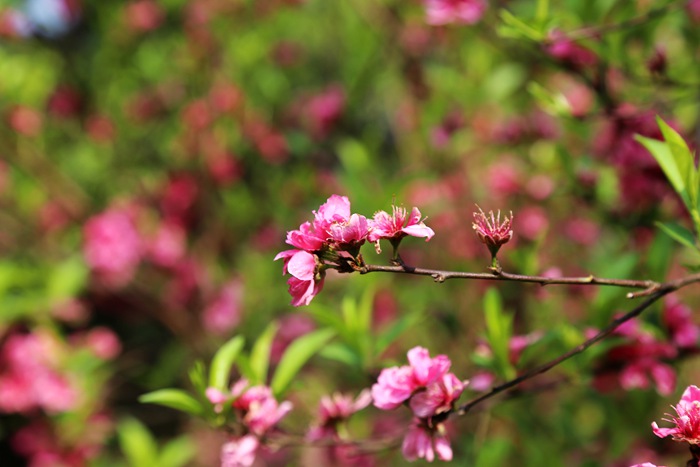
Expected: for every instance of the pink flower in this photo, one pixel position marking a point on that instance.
(324, 110)
(335, 235)
(687, 419)
(438, 397)
(259, 409)
(336, 409)
(439, 12)
(646, 464)
(112, 246)
(491, 231)
(425, 369)
(422, 442)
(396, 385)
(168, 245)
(678, 319)
(224, 313)
(568, 51)
(392, 228)
(240, 452)
(103, 342)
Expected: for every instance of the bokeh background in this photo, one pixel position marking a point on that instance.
(153, 154)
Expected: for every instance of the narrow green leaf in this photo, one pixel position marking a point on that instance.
(498, 330)
(685, 162)
(659, 256)
(678, 233)
(173, 398)
(137, 443)
(342, 353)
(260, 354)
(387, 337)
(222, 362)
(348, 308)
(197, 376)
(665, 158)
(296, 355)
(520, 26)
(177, 452)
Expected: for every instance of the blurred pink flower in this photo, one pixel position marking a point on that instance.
(25, 120)
(144, 15)
(422, 442)
(224, 313)
(637, 363)
(439, 12)
(493, 232)
(239, 452)
(323, 111)
(336, 409)
(646, 464)
(532, 222)
(686, 420)
(292, 326)
(168, 245)
(566, 50)
(678, 319)
(259, 410)
(103, 342)
(391, 227)
(693, 9)
(31, 376)
(112, 246)
(582, 231)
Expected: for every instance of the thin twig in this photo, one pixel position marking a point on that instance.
(647, 286)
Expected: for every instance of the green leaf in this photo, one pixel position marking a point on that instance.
(137, 443)
(173, 398)
(67, 279)
(517, 28)
(296, 355)
(342, 353)
(260, 354)
(678, 233)
(683, 157)
(659, 256)
(398, 327)
(222, 362)
(498, 331)
(197, 376)
(177, 452)
(663, 155)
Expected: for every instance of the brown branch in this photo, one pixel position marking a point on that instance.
(660, 291)
(648, 286)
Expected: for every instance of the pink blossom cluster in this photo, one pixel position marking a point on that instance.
(257, 410)
(336, 409)
(333, 240)
(333, 412)
(31, 377)
(430, 392)
(112, 247)
(638, 362)
(642, 182)
(440, 12)
(641, 359)
(44, 445)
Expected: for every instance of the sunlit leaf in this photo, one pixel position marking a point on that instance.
(222, 362)
(173, 398)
